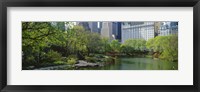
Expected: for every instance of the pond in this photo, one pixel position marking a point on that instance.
(126, 64)
(141, 64)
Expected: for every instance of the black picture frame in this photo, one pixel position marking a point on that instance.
(100, 3)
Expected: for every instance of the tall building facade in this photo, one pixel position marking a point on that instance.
(168, 28)
(94, 27)
(116, 30)
(156, 28)
(119, 36)
(106, 30)
(137, 30)
(147, 30)
(99, 26)
(89, 26)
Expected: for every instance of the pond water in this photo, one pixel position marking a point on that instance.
(126, 64)
(141, 64)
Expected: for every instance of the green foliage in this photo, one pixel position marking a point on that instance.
(105, 45)
(136, 44)
(72, 56)
(99, 55)
(53, 56)
(99, 58)
(127, 49)
(49, 42)
(82, 41)
(71, 60)
(91, 59)
(59, 25)
(170, 51)
(133, 46)
(115, 45)
(166, 45)
(93, 42)
(59, 63)
(108, 60)
(31, 59)
(150, 44)
(37, 40)
(95, 58)
(64, 59)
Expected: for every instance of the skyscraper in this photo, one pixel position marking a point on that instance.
(147, 30)
(137, 30)
(168, 28)
(99, 26)
(156, 28)
(94, 27)
(89, 26)
(106, 30)
(116, 30)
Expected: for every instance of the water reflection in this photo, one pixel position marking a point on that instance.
(126, 64)
(141, 64)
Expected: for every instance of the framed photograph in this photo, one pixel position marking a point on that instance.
(85, 45)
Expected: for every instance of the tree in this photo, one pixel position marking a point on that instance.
(133, 46)
(37, 37)
(105, 45)
(166, 46)
(115, 45)
(170, 51)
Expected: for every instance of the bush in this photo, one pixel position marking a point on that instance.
(53, 56)
(91, 59)
(92, 55)
(99, 56)
(59, 62)
(64, 59)
(71, 56)
(29, 60)
(71, 60)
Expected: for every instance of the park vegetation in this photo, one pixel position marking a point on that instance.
(44, 44)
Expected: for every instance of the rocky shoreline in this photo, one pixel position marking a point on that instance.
(82, 63)
(79, 64)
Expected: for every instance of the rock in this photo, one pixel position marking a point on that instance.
(82, 63)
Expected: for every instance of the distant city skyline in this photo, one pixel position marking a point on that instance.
(123, 31)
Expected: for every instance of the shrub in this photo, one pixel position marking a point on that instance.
(53, 56)
(91, 59)
(29, 60)
(99, 56)
(59, 62)
(92, 55)
(71, 59)
(64, 59)
(71, 56)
